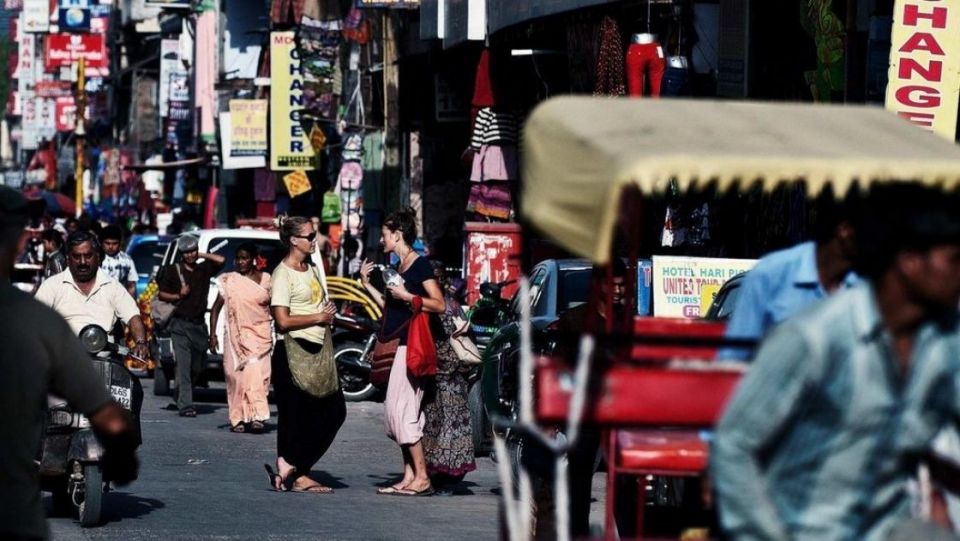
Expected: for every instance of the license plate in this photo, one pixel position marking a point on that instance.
(121, 395)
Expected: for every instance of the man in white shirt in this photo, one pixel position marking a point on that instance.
(84, 294)
(116, 263)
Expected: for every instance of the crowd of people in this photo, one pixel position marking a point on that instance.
(278, 332)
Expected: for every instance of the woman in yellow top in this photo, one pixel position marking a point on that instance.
(310, 407)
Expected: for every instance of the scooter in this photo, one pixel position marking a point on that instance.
(355, 337)
(70, 464)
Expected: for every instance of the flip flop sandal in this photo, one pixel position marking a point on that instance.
(188, 412)
(257, 427)
(313, 489)
(414, 494)
(238, 428)
(388, 491)
(274, 477)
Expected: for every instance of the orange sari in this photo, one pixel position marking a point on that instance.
(248, 343)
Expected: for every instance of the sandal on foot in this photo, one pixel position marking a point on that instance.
(313, 489)
(388, 491)
(257, 427)
(413, 493)
(188, 412)
(275, 479)
(238, 428)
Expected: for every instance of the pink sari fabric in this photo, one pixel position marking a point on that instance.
(248, 343)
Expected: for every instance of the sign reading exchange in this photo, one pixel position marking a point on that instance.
(289, 144)
(924, 85)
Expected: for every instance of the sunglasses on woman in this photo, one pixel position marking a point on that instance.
(310, 238)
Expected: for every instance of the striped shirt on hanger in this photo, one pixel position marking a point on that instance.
(494, 128)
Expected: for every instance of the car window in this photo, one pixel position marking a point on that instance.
(270, 249)
(574, 289)
(536, 283)
(144, 255)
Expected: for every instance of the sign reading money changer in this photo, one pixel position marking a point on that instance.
(289, 144)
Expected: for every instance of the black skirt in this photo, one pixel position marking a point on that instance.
(306, 425)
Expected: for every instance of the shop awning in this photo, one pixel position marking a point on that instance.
(160, 166)
(504, 13)
(580, 153)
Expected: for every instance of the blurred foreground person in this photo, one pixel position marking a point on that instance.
(821, 439)
(40, 354)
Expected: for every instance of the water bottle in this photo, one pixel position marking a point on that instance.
(390, 276)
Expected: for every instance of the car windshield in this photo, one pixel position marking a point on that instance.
(574, 289)
(145, 256)
(270, 249)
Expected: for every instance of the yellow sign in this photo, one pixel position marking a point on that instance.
(924, 77)
(248, 128)
(297, 183)
(289, 145)
(708, 292)
(317, 139)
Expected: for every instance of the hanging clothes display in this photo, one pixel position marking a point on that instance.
(645, 66)
(495, 164)
(286, 12)
(609, 79)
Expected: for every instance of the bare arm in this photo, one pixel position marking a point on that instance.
(169, 297)
(432, 302)
(365, 268)
(132, 288)
(286, 322)
(216, 259)
(214, 319)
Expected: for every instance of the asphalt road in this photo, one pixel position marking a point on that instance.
(200, 481)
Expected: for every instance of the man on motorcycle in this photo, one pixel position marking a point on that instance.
(84, 294)
(40, 354)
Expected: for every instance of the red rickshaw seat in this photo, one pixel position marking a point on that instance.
(664, 451)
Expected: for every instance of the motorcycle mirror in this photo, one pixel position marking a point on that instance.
(93, 338)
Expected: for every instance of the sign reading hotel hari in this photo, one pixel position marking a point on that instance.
(924, 79)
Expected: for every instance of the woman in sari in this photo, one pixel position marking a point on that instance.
(248, 337)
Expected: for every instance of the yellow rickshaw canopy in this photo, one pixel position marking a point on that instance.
(580, 153)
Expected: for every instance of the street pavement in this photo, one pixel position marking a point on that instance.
(200, 481)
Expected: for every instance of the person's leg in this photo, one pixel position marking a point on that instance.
(282, 389)
(199, 341)
(232, 378)
(182, 358)
(418, 465)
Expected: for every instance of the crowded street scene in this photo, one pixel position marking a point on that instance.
(522, 270)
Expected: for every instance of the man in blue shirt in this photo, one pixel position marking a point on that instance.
(821, 437)
(785, 282)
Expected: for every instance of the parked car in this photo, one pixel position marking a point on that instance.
(556, 285)
(726, 300)
(224, 242)
(146, 252)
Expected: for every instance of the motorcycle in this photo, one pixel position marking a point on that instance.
(355, 336)
(485, 318)
(70, 464)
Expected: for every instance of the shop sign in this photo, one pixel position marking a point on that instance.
(36, 16)
(53, 89)
(46, 117)
(30, 120)
(73, 16)
(679, 283)
(248, 128)
(26, 58)
(297, 183)
(229, 159)
(66, 113)
(402, 4)
(13, 4)
(289, 145)
(174, 77)
(924, 77)
(67, 49)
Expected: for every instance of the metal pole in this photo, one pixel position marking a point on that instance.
(80, 132)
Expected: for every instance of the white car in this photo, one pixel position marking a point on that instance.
(223, 242)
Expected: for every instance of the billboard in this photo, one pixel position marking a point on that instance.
(36, 16)
(680, 284)
(924, 76)
(174, 77)
(290, 148)
(64, 50)
(248, 131)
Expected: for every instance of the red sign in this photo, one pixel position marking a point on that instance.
(66, 114)
(53, 89)
(67, 49)
(492, 254)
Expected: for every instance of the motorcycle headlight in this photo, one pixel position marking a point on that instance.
(93, 338)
